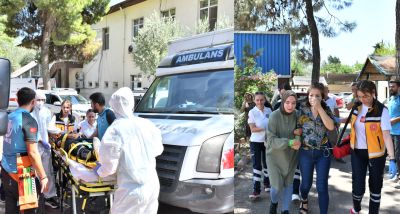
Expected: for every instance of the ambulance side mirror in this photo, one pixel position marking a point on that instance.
(5, 68)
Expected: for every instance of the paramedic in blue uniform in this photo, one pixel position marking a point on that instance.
(21, 138)
(105, 115)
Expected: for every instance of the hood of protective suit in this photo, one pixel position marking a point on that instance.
(122, 103)
(39, 104)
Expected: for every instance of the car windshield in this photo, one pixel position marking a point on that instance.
(198, 93)
(75, 99)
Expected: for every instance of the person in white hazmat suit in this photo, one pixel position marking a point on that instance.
(43, 116)
(129, 148)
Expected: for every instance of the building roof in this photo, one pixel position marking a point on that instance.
(378, 68)
(306, 80)
(123, 4)
(24, 69)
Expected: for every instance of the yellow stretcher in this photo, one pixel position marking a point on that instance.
(79, 188)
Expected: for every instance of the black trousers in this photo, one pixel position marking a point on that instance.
(11, 193)
(360, 163)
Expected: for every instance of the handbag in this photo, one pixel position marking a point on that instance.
(342, 147)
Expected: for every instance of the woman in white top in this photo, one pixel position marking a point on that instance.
(88, 126)
(370, 141)
(258, 122)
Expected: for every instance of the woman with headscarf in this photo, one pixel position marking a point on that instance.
(281, 151)
(128, 149)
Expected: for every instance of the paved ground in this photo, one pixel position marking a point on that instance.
(98, 207)
(339, 192)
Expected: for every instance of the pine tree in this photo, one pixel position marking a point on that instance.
(59, 28)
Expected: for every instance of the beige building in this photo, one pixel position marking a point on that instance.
(113, 67)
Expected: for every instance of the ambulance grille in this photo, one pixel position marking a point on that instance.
(169, 165)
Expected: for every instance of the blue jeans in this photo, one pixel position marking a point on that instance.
(320, 160)
(259, 165)
(285, 194)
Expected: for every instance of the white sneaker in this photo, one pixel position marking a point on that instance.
(267, 189)
(295, 197)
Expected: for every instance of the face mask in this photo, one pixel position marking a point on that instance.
(39, 104)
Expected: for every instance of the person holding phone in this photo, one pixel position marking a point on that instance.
(315, 119)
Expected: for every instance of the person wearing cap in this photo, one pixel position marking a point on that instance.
(42, 116)
(281, 151)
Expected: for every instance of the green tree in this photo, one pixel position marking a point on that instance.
(333, 60)
(59, 28)
(384, 49)
(152, 41)
(18, 56)
(249, 78)
(303, 19)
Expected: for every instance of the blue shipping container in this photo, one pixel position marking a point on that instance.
(275, 48)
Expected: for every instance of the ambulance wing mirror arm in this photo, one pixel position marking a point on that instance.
(5, 68)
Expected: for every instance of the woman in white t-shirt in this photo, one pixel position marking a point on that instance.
(88, 126)
(370, 135)
(258, 122)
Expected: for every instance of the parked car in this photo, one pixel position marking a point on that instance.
(55, 97)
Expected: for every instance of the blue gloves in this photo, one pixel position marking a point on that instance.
(46, 145)
(392, 169)
(98, 165)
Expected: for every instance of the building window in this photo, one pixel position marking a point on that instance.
(96, 84)
(90, 84)
(105, 84)
(136, 25)
(170, 13)
(208, 9)
(115, 84)
(136, 81)
(106, 38)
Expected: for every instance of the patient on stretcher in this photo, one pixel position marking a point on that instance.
(78, 149)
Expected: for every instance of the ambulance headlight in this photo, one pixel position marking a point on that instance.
(210, 154)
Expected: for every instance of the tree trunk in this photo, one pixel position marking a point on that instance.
(398, 38)
(44, 53)
(314, 40)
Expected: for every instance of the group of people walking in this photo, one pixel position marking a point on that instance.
(295, 135)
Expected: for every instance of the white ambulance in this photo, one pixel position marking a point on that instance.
(191, 101)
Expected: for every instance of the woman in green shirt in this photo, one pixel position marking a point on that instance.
(281, 151)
